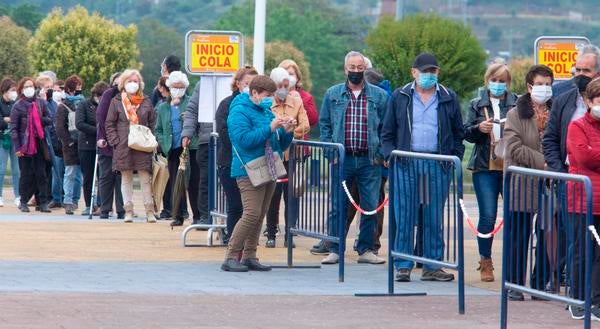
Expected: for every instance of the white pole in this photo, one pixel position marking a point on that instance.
(260, 20)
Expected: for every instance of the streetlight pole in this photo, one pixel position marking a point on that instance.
(260, 20)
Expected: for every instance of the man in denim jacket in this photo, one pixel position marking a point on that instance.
(351, 115)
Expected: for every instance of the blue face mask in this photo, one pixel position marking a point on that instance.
(266, 103)
(497, 88)
(427, 80)
(74, 98)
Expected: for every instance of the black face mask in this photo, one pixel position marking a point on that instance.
(49, 94)
(581, 82)
(77, 92)
(356, 77)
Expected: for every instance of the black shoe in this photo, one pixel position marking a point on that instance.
(23, 207)
(177, 222)
(44, 208)
(121, 215)
(270, 243)
(577, 313)
(285, 244)
(104, 215)
(418, 265)
(320, 249)
(54, 205)
(69, 209)
(254, 265)
(164, 215)
(437, 275)
(233, 265)
(403, 275)
(515, 295)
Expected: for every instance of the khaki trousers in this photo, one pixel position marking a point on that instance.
(255, 201)
(145, 182)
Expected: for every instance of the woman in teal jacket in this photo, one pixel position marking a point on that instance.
(253, 131)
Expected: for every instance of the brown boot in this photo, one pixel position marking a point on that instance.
(486, 267)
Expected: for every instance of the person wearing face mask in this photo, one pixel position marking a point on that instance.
(8, 90)
(352, 114)
(583, 148)
(296, 88)
(58, 164)
(291, 109)
(484, 129)
(240, 84)
(170, 64)
(66, 129)
(131, 106)
(254, 132)
(169, 125)
(423, 116)
(523, 133)
(109, 181)
(28, 118)
(85, 121)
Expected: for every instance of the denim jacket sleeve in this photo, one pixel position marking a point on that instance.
(325, 119)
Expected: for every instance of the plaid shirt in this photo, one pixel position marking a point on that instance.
(356, 131)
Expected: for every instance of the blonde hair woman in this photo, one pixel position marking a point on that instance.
(297, 89)
(131, 106)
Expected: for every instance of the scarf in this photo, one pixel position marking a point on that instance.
(34, 130)
(131, 104)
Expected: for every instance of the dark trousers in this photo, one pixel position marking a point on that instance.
(520, 233)
(233, 199)
(351, 213)
(273, 212)
(194, 185)
(109, 186)
(577, 270)
(48, 168)
(34, 178)
(202, 159)
(173, 164)
(87, 160)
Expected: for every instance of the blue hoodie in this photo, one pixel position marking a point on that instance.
(249, 129)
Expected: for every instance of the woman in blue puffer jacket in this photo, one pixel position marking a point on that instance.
(254, 131)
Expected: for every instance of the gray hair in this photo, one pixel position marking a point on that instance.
(50, 75)
(354, 54)
(590, 49)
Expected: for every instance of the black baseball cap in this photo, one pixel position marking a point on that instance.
(425, 61)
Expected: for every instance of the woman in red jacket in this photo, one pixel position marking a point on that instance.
(296, 89)
(583, 154)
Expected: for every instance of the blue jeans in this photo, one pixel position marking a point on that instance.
(368, 178)
(72, 184)
(421, 192)
(58, 174)
(14, 169)
(488, 186)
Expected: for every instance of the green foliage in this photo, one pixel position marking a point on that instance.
(323, 33)
(27, 16)
(392, 46)
(518, 69)
(156, 42)
(14, 59)
(87, 45)
(277, 51)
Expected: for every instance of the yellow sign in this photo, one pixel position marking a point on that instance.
(559, 54)
(213, 53)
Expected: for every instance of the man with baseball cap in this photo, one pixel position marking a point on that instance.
(423, 116)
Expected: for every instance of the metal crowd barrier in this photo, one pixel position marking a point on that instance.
(424, 192)
(316, 201)
(216, 203)
(547, 248)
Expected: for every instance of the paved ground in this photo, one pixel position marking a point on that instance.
(69, 272)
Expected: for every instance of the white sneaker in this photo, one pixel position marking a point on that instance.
(1, 202)
(332, 258)
(370, 258)
(18, 201)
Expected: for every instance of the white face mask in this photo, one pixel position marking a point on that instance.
(57, 96)
(28, 92)
(541, 94)
(132, 87)
(293, 81)
(12, 95)
(595, 111)
(177, 92)
(246, 90)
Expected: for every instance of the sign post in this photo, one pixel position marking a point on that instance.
(559, 53)
(214, 55)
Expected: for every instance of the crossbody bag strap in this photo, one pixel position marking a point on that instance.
(238, 155)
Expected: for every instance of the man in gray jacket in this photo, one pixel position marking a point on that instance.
(192, 127)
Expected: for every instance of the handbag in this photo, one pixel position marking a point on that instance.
(140, 138)
(258, 170)
(298, 180)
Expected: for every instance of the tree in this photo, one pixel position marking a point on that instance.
(27, 16)
(392, 46)
(322, 32)
(518, 70)
(14, 59)
(277, 51)
(87, 45)
(156, 42)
